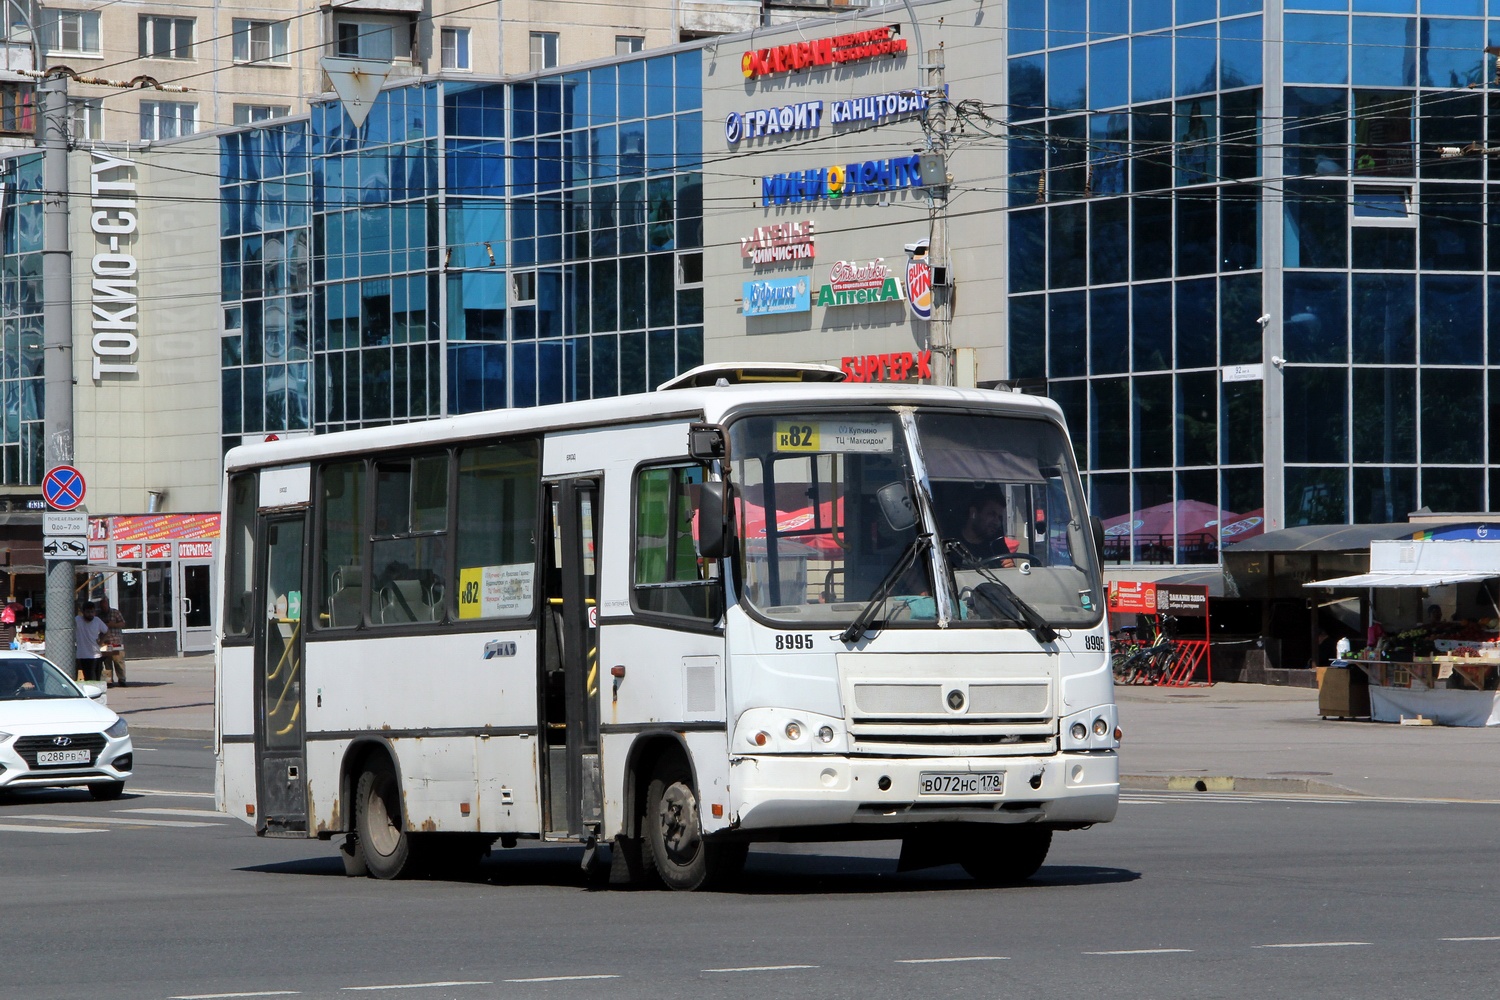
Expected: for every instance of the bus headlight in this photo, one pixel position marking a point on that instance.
(825, 734)
(1080, 731)
(1100, 727)
(794, 731)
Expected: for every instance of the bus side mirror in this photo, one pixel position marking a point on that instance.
(1098, 527)
(713, 525)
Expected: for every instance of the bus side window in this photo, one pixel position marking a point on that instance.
(239, 570)
(670, 577)
(341, 512)
(494, 538)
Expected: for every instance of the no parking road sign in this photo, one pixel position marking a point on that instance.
(63, 488)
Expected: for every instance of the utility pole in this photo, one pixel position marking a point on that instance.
(940, 327)
(57, 322)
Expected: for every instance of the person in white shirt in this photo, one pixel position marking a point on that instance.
(88, 632)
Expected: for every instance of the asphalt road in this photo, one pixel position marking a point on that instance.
(1186, 895)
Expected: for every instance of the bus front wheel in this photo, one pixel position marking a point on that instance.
(1006, 856)
(676, 847)
(384, 844)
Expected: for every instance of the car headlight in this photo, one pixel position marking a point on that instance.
(4, 737)
(120, 728)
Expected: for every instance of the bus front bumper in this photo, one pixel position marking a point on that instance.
(785, 792)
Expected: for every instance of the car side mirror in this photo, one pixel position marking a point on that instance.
(94, 691)
(713, 522)
(896, 506)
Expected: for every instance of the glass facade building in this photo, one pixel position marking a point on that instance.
(1249, 256)
(22, 387)
(470, 246)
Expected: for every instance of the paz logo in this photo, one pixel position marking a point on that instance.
(919, 280)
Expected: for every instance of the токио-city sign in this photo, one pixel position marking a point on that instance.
(773, 296)
(115, 301)
(783, 241)
(841, 181)
(851, 284)
(858, 45)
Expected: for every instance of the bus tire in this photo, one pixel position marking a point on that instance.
(682, 857)
(380, 829)
(1006, 856)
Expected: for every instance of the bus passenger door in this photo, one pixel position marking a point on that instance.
(572, 801)
(279, 744)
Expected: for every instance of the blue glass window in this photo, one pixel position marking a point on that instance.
(1028, 84)
(1316, 324)
(1065, 22)
(1386, 401)
(1196, 141)
(1239, 323)
(1109, 433)
(1316, 496)
(1317, 132)
(632, 90)
(1191, 11)
(1109, 74)
(1197, 323)
(1229, 8)
(1198, 431)
(1239, 228)
(1151, 57)
(1067, 176)
(1148, 15)
(1067, 334)
(1317, 418)
(1240, 52)
(1109, 337)
(1242, 429)
(1452, 225)
(1197, 232)
(659, 86)
(1453, 53)
(1460, 8)
(1028, 336)
(1109, 153)
(1109, 241)
(602, 94)
(1316, 229)
(1197, 59)
(1451, 333)
(1452, 489)
(1105, 18)
(1316, 49)
(1026, 22)
(1150, 417)
(689, 91)
(1067, 246)
(1452, 400)
(1028, 166)
(1385, 6)
(1385, 51)
(1153, 237)
(1385, 320)
(1151, 327)
(1066, 79)
(1318, 4)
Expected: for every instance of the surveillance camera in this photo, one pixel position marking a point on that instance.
(919, 247)
(1263, 320)
(1278, 361)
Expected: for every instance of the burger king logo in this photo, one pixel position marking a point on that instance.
(919, 286)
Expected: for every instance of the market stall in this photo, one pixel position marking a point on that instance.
(1432, 649)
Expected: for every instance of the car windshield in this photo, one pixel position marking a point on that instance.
(819, 500)
(31, 678)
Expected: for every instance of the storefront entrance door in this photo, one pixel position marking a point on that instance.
(197, 619)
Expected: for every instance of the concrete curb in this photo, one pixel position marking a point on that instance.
(1229, 783)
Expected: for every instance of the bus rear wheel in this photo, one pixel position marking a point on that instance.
(1005, 856)
(675, 844)
(383, 843)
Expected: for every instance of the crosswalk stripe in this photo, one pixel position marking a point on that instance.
(118, 820)
(166, 791)
(18, 828)
(178, 812)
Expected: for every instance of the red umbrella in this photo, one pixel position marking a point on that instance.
(1187, 519)
(1248, 526)
(805, 527)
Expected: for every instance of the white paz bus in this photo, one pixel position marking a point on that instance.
(755, 605)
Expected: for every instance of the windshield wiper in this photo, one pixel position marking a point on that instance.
(861, 623)
(1000, 598)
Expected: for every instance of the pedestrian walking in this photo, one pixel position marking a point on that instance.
(114, 655)
(88, 632)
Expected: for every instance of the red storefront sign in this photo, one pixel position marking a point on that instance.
(1132, 596)
(888, 367)
(816, 52)
(195, 550)
(159, 550)
(131, 551)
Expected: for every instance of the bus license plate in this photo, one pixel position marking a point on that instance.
(966, 783)
(62, 757)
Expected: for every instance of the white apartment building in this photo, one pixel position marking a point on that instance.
(236, 63)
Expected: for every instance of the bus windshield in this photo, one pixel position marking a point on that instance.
(819, 536)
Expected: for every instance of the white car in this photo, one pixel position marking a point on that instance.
(54, 732)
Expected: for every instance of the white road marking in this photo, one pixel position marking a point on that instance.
(1144, 951)
(960, 958)
(163, 791)
(761, 968)
(558, 979)
(225, 996)
(178, 812)
(423, 986)
(18, 828)
(1493, 938)
(1142, 796)
(120, 820)
(1317, 944)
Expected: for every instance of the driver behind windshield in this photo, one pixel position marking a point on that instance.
(15, 681)
(981, 541)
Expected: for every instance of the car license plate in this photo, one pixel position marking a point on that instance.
(966, 783)
(62, 757)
